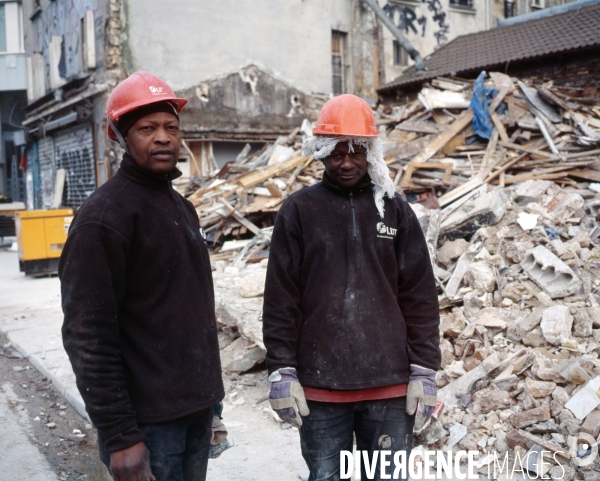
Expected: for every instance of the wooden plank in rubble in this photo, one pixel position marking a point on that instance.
(258, 176)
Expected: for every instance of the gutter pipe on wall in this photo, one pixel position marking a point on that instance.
(545, 12)
(406, 45)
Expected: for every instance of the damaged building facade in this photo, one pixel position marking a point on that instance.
(13, 86)
(251, 72)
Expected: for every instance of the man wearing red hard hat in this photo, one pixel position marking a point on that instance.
(351, 315)
(138, 301)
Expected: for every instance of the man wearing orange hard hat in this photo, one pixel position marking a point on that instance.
(138, 301)
(351, 315)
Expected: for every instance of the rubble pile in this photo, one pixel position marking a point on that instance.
(456, 137)
(238, 202)
(453, 139)
(520, 319)
(513, 230)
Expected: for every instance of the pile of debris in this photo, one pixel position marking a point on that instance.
(518, 271)
(513, 229)
(457, 136)
(452, 140)
(245, 194)
(519, 276)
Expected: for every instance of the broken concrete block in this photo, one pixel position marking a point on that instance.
(574, 373)
(471, 304)
(241, 356)
(559, 203)
(451, 251)
(560, 397)
(479, 211)
(528, 323)
(533, 416)
(487, 319)
(547, 369)
(514, 291)
(471, 364)
(490, 401)
(447, 352)
(531, 191)
(480, 276)
(457, 433)
(454, 370)
(586, 400)
(539, 389)
(570, 427)
(253, 285)
(582, 325)
(454, 323)
(591, 425)
(535, 338)
(555, 277)
(518, 437)
(556, 324)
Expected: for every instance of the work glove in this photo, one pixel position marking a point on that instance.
(218, 439)
(421, 395)
(287, 397)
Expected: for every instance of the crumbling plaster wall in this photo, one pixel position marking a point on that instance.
(430, 24)
(190, 41)
(57, 26)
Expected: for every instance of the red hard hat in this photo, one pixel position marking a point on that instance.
(346, 115)
(137, 90)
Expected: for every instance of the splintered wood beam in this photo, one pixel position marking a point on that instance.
(442, 139)
(239, 217)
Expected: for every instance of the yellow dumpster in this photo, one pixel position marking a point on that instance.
(41, 236)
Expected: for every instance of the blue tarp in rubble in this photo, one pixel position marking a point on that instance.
(482, 125)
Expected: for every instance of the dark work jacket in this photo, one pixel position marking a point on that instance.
(138, 302)
(350, 298)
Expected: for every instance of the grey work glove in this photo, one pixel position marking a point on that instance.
(421, 389)
(218, 438)
(287, 396)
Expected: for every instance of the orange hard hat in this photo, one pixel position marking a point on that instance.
(137, 90)
(346, 114)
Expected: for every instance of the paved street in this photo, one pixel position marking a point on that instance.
(20, 459)
(31, 318)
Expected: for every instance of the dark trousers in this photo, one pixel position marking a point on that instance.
(178, 449)
(329, 429)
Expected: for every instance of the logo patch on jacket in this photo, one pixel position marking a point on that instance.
(385, 232)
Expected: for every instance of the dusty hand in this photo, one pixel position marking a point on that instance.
(421, 387)
(131, 464)
(287, 396)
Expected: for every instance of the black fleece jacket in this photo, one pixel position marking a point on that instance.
(350, 298)
(138, 302)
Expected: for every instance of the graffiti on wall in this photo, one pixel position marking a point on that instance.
(410, 22)
(62, 18)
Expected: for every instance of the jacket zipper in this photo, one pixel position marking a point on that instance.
(353, 214)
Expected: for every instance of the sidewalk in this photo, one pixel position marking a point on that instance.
(19, 458)
(31, 318)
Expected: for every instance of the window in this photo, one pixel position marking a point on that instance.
(461, 3)
(338, 40)
(537, 4)
(2, 28)
(400, 55)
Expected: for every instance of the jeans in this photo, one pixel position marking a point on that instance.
(329, 429)
(178, 449)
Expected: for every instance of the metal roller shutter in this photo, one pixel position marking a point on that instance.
(75, 153)
(46, 163)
